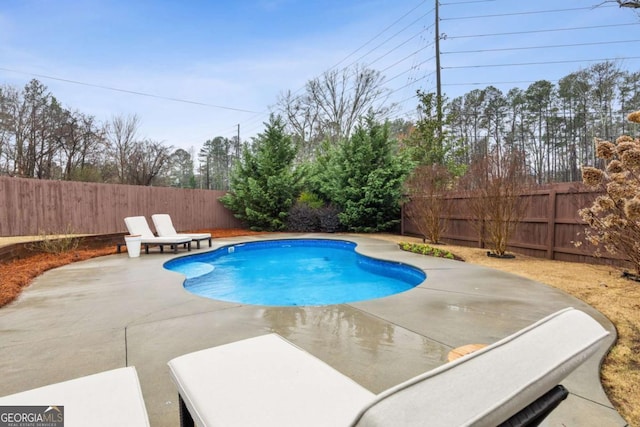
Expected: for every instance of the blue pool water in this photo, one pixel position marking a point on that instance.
(293, 273)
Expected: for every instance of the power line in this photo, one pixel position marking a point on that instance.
(398, 47)
(497, 15)
(389, 38)
(409, 69)
(410, 83)
(447, 37)
(413, 82)
(466, 2)
(132, 92)
(540, 63)
(539, 47)
(493, 83)
(378, 35)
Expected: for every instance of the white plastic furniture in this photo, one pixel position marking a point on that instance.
(107, 399)
(164, 228)
(137, 225)
(267, 381)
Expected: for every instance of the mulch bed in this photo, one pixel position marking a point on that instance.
(19, 273)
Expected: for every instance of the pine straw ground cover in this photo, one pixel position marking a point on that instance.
(599, 286)
(17, 274)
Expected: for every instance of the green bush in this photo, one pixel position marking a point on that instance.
(303, 218)
(363, 178)
(423, 249)
(264, 183)
(310, 199)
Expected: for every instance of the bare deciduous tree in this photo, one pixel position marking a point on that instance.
(332, 105)
(80, 143)
(136, 162)
(121, 133)
(303, 120)
(631, 4)
(146, 162)
(28, 118)
(344, 96)
(5, 132)
(428, 206)
(496, 200)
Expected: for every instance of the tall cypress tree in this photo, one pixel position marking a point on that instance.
(264, 183)
(364, 178)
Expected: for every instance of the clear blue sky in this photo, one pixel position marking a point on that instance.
(243, 54)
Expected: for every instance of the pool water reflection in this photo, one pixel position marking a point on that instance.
(293, 272)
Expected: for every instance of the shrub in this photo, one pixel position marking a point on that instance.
(310, 199)
(329, 219)
(423, 249)
(363, 178)
(428, 207)
(56, 244)
(303, 218)
(614, 216)
(496, 184)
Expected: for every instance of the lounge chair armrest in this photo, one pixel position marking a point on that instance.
(537, 411)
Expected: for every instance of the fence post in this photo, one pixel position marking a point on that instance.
(551, 224)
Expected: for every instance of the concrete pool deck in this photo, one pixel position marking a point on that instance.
(117, 311)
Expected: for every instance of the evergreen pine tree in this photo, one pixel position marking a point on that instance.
(364, 179)
(264, 183)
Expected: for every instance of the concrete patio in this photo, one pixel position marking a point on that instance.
(118, 311)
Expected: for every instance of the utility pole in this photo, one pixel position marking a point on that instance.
(437, 44)
(208, 167)
(438, 81)
(238, 143)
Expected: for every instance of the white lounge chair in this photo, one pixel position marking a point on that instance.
(137, 225)
(110, 398)
(164, 228)
(268, 381)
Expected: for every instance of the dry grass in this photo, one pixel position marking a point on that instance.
(601, 287)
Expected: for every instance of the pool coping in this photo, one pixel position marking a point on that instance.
(216, 274)
(118, 311)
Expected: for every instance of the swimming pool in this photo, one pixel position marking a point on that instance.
(293, 272)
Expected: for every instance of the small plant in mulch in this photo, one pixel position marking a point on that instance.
(56, 244)
(17, 274)
(423, 249)
(501, 256)
(630, 276)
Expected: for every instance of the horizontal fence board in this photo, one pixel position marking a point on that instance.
(34, 207)
(551, 228)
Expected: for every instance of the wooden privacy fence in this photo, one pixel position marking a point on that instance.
(549, 229)
(34, 207)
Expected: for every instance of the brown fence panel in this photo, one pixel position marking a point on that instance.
(550, 228)
(32, 207)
